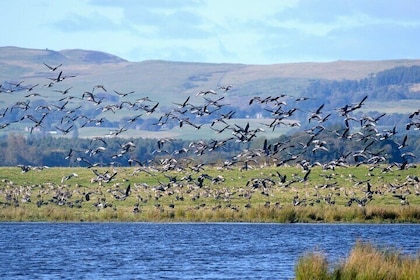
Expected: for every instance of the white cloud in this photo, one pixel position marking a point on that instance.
(240, 31)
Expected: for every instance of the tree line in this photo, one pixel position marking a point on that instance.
(46, 150)
(387, 85)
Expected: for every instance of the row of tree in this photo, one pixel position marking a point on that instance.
(38, 150)
(388, 85)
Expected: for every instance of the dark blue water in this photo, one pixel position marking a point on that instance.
(181, 251)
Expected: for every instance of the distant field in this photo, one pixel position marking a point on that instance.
(406, 106)
(188, 132)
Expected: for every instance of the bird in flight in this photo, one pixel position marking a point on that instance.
(53, 68)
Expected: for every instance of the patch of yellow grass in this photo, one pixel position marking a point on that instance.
(365, 261)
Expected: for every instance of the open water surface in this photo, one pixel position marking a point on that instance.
(181, 251)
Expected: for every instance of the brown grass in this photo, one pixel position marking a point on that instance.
(365, 261)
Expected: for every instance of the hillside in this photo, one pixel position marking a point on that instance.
(79, 94)
(163, 77)
(177, 80)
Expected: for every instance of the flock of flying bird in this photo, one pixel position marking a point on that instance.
(209, 104)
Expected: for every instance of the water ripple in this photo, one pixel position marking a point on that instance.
(181, 251)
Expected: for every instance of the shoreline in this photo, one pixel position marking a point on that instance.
(376, 215)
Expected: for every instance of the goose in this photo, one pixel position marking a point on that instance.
(72, 111)
(415, 124)
(150, 110)
(214, 102)
(60, 77)
(371, 119)
(38, 122)
(182, 105)
(305, 178)
(68, 177)
(100, 87)
(303, 98)
(98, 138)
(408, 155)
(66, 130)
(116, 132)
(415, 113)
(52, 68)
(218, 131)
(206, 92)
(61, 108)
(3, 114)
(25, 168)
(358, 105)
(281, 177)
(225, 88)
(18, 84)
(99, 149)
(132, 161)
(32, 87)
(123, 94)
(402, 198)
(135, 118)
(64, 91)
(35, 95)
(24, 106)
(404, 143)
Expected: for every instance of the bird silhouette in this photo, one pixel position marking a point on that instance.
(53, 68)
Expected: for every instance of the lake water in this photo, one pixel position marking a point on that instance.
(181, 251)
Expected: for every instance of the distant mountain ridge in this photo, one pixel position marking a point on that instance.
(73, 56)
(325, 70)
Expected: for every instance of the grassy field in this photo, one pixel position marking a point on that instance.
(210, 194)
(397, 106)
(188, 132)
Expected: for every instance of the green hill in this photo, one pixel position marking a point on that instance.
(168, 82)
(178, 78)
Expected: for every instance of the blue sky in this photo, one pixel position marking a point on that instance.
(231, 31)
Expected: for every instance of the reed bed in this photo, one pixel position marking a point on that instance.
(289, 214)
(365, 261)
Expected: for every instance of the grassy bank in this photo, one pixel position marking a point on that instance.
(267, 194)
(364, 262)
